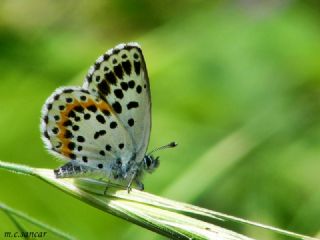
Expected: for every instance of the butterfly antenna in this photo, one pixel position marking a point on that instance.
(169, 145)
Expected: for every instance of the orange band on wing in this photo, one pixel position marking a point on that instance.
(64, 116)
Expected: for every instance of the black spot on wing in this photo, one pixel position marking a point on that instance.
(127, 67)
(113, 125)
(75, 128)
(71, 145)
(83, 98)
(97, 65)
(102, 132)
(78, 109)
(55, 130)
(118, 71)
(121, 145)
(46, 119)
(84, 91)
(67, 123)
(87, 116)
(68, 90)
(92, 108)
(100, 119)
(130, 122)
(104, 87)
(68, 134)
(89, 78)
(106, 57)
(45, 133)
(132, 104)
(124, 86)
(137, 67)
(108, 147)
(117, 107)
(111, 78)
(97, 134)
(139, 89)
(118, 93)
(106, 112)
(131, 84)
(71, 114)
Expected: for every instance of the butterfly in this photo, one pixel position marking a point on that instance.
(102, 129)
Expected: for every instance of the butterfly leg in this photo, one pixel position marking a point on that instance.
(139, 184)
(106, 188)
(107, 184)
(133, 178)
(130, 183)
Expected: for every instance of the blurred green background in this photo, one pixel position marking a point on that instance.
(235, 83)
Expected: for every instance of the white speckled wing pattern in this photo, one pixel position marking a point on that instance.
(108, 119)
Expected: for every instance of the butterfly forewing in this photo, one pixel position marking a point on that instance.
(120, 78)
(80, 127)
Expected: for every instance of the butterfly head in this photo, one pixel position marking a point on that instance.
(150, 163)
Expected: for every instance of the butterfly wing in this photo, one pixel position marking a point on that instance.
(80, 127)
(120, 77)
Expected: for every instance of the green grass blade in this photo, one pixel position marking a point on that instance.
(164, 216)
(138, 207)
(16, 223)
(12, 212)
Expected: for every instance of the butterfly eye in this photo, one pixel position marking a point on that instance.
(147, 161)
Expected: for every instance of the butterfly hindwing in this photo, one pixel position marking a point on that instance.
(120, 77)
(80, 127)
